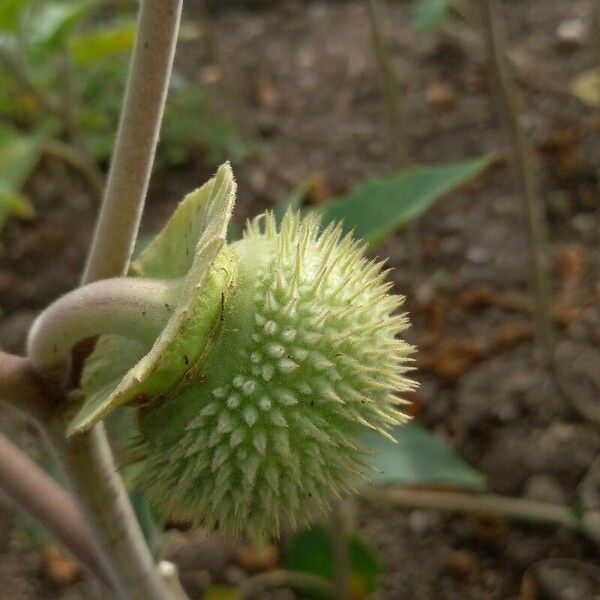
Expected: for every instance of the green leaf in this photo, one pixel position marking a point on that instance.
(429, 15)
(10, 13)
(96, 45)
(419, 458)
(18, 156)
(14, 204)
(221, 592)
(310, 551)
(49, 23)
(375, 208)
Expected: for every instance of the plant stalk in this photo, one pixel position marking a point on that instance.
(392, 90)
(489, 504)
(87, 458)
(339, 529)
(136, 306)
(137, 138)
(34, 494)
(253, 586)
(527, 186)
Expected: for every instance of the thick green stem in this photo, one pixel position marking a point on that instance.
(132, 307)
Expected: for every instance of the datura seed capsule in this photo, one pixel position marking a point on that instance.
(287, 354)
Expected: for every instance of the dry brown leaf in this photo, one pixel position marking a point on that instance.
(528, 589)
(59, 567)
(254, 559)
(569, 265)
(508, 335)
(440, 95)
(475, 297)
(452, 358)
(464, 563)
(435, 311)
(267, 94)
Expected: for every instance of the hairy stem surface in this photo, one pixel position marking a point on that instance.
(34, 494)
(87, 458)
(138, 307)
(137, 137)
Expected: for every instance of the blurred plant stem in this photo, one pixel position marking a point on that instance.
(255, 585)
(586, 522)
(73, 151)
(83, 162)
(340, 526)
(34, 494)
(213, 45)
(507, 100)
(392, 90)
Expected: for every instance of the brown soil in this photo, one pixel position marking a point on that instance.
(308, 84)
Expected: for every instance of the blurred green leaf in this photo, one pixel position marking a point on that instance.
(13, 203)
(375, 208)
(221, 592)
(18, 156)
(428, 15)
(310, 551)
(10, 13)
(48, 23)
(419, 458)
(100, 44)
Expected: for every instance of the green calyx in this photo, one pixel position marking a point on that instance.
(254, 398)
(190, 253)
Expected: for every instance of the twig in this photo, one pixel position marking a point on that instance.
(33, 493)
(253, 586)
(392, 89)
(137, 137)
(527, 185)
(80, 161)
(339, 547)
(489, 504)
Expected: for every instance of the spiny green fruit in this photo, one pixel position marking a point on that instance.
(303, 356)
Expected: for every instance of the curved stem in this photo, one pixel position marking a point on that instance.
(33, 493)
(137, 137)
(131, 307)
